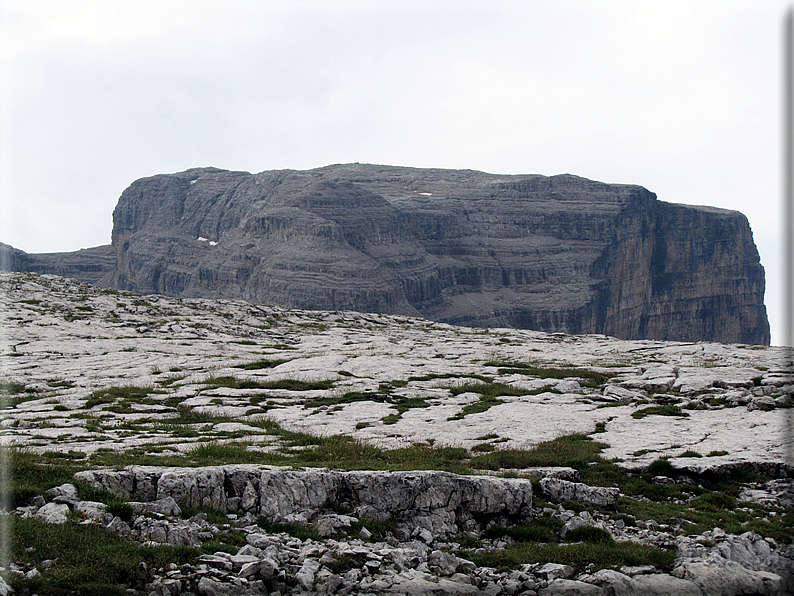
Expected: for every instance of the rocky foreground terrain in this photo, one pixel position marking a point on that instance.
(297, 451)
(555, 254)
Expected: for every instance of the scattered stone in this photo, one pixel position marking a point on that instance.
(621, 394)
(307, 572)
(570, 587)
(33, 574)
(93, 511)
(558, 490)
(53, 513)
(581, 520)
(164, 506)
(551, 571)
(65, 493)
(442, 563)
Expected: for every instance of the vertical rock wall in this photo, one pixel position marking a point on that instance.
(557, 254)
(683, 272)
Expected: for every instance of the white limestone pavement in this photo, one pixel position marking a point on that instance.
(64, 340)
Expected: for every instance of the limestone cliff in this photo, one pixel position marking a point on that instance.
(92, 265)
(558, 253)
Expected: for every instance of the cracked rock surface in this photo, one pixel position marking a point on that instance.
(389, 380)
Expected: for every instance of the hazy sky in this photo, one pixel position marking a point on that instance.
(682, 98)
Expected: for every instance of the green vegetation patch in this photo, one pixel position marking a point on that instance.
(288, 384)
(187, 415)
(435, 376)
(403, 404)
(31, 476)
(11, 388)
(90, 561)
(484, 404)
(347, 398)
(261, 364)
(489, 396)
(592, 378)
(576, 451)
(660, 410)
(384, 395)
(483, 448)
(541, 529)
(578, 555)
(111, 394)
(590, 534)
(489, 390)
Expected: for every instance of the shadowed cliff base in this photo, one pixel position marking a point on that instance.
(556, 254)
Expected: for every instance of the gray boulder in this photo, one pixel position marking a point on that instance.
(307, 573)
(53, 513)
(417, 585)
(92, 510)
(164, 506)
(551, 571)
(442, 563)
(65, 493)
(728, 578)
(660, 584)
(558, 490)
(570, 587)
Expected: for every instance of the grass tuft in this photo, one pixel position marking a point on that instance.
(89, 560)
(261, 364)
(591, 378)
(575, 451)
(578, 556)
(661, 410)
(288, 384)
(111, 394)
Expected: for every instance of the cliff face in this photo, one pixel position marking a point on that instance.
(92, 265)
(676, 271)
(557, 253)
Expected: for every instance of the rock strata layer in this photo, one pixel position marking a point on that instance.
(438, 502)
(91, 265)
(556, 254)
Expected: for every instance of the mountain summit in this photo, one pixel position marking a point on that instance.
(559, 253)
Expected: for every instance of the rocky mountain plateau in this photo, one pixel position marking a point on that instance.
(555, 254)
(272, 450)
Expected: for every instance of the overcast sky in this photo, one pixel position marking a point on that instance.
(682, 98)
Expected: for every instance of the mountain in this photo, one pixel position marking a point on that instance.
(559, 253)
